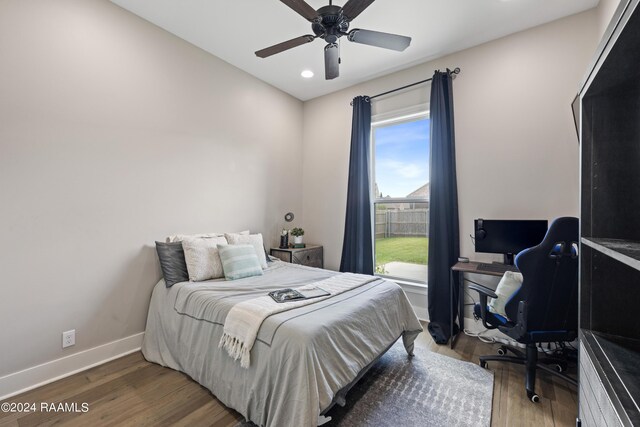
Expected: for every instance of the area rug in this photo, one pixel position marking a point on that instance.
(428, 390)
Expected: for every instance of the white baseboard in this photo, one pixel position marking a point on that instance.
(422, 313)
(416, 293)
(45, 373)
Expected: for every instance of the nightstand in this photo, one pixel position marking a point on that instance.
(311, 256)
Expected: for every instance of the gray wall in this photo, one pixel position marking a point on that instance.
(516, 146)
(114, 133)
(604, 12)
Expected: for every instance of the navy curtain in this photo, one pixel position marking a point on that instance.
(357, 247)
(444, 239)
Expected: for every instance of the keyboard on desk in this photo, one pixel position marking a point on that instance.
(496, 267)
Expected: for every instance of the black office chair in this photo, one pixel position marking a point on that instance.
(545, 308)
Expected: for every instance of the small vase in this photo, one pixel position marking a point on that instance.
(297, 240)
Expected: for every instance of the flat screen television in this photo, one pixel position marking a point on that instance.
(508, 236)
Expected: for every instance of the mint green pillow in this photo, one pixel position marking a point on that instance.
(239, 261)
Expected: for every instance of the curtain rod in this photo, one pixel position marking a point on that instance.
(455, 71)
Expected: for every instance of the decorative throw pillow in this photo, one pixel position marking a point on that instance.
(172, 263)
(202, 258)
(239, 261)
(181, 237)
(251, 239)
(509, 285)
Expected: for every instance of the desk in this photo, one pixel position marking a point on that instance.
(461, 268)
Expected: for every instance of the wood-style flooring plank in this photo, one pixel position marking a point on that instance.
(133, 392)
(500, 398)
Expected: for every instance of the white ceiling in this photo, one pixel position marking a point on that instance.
(234, 29)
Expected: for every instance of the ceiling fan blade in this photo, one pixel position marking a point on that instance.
(303, 9)
(376, 38)
(354, 8)
(281, 47)
(331, 61)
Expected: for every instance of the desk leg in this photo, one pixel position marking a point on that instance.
(451, 309)
(455, 300)
(461, 301)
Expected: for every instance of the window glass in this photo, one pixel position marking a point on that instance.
(401, 197)
(401, 157)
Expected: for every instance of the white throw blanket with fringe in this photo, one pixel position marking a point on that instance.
(245, 318)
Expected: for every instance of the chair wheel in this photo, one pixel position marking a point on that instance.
(483, 364)
(533, 396)
(558, 367)
(502, 351)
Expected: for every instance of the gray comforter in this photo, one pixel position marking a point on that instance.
(301, 358)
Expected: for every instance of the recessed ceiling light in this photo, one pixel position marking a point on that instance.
(307, 74)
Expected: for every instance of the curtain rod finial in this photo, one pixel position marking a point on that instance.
(366, 98)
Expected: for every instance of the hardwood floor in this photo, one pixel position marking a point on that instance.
(133, 392)
(558, 404)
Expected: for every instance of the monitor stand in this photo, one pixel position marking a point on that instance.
(508, 259)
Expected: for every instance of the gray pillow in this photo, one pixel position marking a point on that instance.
(174, 267)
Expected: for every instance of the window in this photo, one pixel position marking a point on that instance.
(400, 148)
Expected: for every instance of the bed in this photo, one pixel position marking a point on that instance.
(303, 361)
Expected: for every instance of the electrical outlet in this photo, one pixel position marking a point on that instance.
(68, 338)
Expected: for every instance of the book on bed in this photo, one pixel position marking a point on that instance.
(284, 295)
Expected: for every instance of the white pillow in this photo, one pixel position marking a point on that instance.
(509, 285)
(181, 237)
(202, 258)
(250, 239)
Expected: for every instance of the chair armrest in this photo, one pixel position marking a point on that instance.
(483, 290)
(484, 293)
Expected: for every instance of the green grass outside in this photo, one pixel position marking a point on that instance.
(413, 250)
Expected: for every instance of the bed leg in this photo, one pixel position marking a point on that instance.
(323, 420)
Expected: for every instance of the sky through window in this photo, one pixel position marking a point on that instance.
(402, 157)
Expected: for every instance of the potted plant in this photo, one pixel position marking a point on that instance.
(297, 234)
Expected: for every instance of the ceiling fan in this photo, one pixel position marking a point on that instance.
(330, 23)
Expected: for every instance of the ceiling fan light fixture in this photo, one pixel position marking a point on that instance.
(307, 74)
(330, 23)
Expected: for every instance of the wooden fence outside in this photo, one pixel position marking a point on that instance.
(402, 223)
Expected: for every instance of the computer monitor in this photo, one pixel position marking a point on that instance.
(508, 236)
